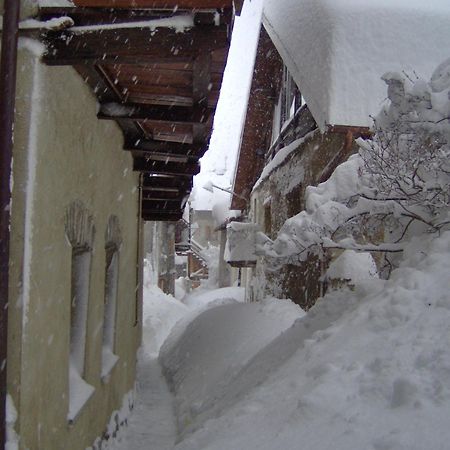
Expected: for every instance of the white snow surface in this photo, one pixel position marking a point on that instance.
(362, 369)
(241, 241)
(12, 439)
(202, 363)
(178, 23)
(353, 266)
(331, 48)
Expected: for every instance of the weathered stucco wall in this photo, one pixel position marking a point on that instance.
(63, 153)
(280, 196)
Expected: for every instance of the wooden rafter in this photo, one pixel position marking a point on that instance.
(159, 85)
(96, 16)
(170, 168)
(166, 4)
(172, 148)
(139, 45)
(172, 114)
(166, 183)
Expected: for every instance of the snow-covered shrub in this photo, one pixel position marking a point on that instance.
(398, 184)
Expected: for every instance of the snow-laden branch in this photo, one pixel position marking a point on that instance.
(398, 185)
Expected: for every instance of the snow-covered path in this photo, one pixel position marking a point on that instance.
(152, 424)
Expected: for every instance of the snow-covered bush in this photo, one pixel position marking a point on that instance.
(398, 184)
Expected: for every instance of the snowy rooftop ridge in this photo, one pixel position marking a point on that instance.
(337, 50)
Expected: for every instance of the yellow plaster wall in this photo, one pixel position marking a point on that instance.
(76, 157)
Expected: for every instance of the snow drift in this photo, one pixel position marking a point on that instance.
(366, 369)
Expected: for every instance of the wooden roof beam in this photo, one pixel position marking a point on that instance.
(169, 148)
(162, 216)
(163, 157)
(152, 204)
(169, 168)
(101, 16)
(166, 183)
(164, 195)
(114, 110)
(165, 4)
(121, 44)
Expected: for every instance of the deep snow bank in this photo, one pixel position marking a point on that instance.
(160, 313)
(202, 359)
(368, 369)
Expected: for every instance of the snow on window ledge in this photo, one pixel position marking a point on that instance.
(12, 439)
(79, 393)
(109, 360)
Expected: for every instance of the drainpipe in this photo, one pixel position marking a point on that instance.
(7, 98)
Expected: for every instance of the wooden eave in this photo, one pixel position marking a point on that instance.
(258, 122)
(159, 84)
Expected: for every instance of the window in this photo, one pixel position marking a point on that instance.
(81, 268)
(289, 101)
(80, 233)
(113, 241)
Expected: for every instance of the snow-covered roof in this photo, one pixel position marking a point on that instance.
(337, 50)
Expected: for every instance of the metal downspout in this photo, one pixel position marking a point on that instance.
(8, 69)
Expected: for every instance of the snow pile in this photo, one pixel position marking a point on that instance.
(178, 23)
(368, 369)
(202, 297)
(331, 47)
(352, 266)
(241, 242)
(116, 424)
(12, 439)
(202, 362)
(396, 187)
(160, 313)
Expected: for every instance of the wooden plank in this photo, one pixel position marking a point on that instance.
(166, 182)
(164, 204)
(173, 114)
(163, 100)
(170, 168)
(163, 195)
(75, 47)
(169, 100)
(168, 4)
(162, 216)
(96, 16)
(166, 131)
(164, 157)
(100, 88)
(238, 4)
(132, 144)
